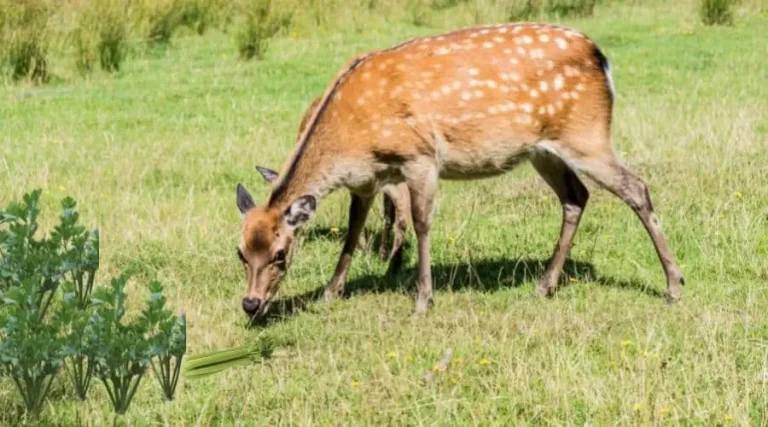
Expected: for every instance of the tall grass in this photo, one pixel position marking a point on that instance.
(24, 39)
(716, 12)
(261, 21)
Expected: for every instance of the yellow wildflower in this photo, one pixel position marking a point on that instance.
(737, 194)
(484, 362)
(664, 411)
(626, 343)
(409, 358)
(454, 381)
(334, 230)
(458, 361)
(355, 383)
(637, 406)
(451, 239)
(437, 368)
(392, 355)
(728, 418)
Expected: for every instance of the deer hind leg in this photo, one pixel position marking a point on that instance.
(358, 211)
(401, 201)
(389, 220)
(423, 187)
(608, 171)
(573, 197)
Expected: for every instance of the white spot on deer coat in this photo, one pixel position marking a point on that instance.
(561, 43)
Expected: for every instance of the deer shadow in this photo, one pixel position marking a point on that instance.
(486, 275)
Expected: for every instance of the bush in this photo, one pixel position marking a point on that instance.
(86, 334)
(24, 40)
(716, 12)
(261, 23)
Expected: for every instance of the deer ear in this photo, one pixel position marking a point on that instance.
(268, 174)
(300, 211)
(244, 199)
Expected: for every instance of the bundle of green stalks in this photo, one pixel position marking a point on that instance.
(209, 363)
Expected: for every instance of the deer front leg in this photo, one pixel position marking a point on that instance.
(358, 211)
(422, 192)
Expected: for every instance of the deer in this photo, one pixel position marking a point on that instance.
(469, 104)
(396, 207)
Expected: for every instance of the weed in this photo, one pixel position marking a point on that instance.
(716, 12)
(418, 13)
(24, 40)
(261, 23)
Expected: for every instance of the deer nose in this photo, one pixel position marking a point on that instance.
(251, 305)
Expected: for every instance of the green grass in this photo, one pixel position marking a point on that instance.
(152, 156)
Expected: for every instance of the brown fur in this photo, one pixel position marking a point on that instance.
(465, 105)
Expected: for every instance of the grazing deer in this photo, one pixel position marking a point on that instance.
(396, 200)
(469, 104)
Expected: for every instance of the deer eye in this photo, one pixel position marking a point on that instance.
(240, 255)
(280, 256)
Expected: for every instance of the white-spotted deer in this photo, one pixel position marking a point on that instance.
(396, 200)
(465, 105)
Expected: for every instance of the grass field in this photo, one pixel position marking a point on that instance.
(152, 156)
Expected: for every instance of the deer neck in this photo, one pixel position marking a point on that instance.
(315, 169)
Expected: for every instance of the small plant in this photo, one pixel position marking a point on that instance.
(168, 340)
(261, 23)
(79, 252)
(716, 12)
(79, 345)
(31, 351)
(122, 353)
(26, 258)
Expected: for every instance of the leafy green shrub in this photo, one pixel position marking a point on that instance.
(168, 342)
(261, 22)
(86, 334)
(716, 12)
(31, 351)
(26, 258)
(79, 345)
(24, 39)
(122, 354)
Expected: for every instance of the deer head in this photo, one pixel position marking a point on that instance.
(265, 245)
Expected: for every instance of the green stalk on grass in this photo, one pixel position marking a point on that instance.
(209, 363)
